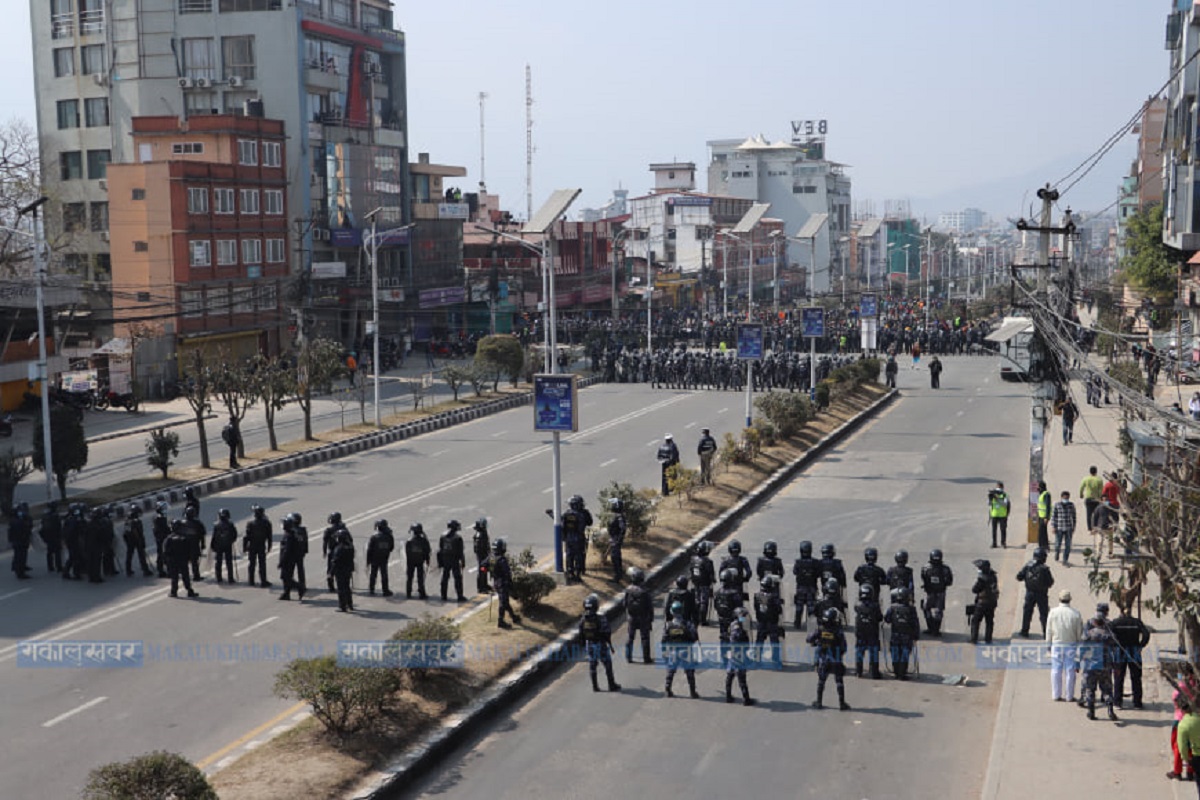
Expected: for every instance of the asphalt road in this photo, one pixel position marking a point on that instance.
(916, 478)
(194, 695)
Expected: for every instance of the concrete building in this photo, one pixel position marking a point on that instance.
(1149, 165)
(965, 221)
(332, 70)
(199, 235)
(1181, 182)
(799, 183)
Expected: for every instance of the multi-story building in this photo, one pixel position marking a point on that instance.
(965, 221)
(1127, 206)
(1181, 148)
(199, 237)
(799, 183)
(333, 71)
(1149, 165)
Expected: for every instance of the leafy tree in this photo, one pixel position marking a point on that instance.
(638, 505)
(235, 386)
(198, 387)
(478, 379)
(530, 586)
(162, 446)
(500, 355)
(68, 445)
(20, 184)
(274, 383)
(455, 377)
(149, 777)
(787, 411)
(13, 469)
(1151, 265)
(344, 699)
(320, 362)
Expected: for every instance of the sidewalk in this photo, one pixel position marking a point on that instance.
(1043, 748)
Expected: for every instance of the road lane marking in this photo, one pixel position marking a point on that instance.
(23, 591)
(870, 535)
(498, 434)
(90, 621)
(935, 446)
(899, 496)
(50, 723)
(723, 410)
(949, 427)
(255, 626)
(610, 462)
(439, 453)
(689, 425)
(548, 490)
(652, 443)
(959, 414)
(208, 761)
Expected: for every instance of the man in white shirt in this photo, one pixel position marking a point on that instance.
(1064, 631)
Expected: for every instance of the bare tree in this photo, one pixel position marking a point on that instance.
(319, 364)
(19, 181)
(235, 387)
(274, 383)
(197, 385)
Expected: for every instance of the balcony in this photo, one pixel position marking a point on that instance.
(91, 22)
(62, 26)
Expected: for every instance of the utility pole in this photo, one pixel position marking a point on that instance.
(482, 132)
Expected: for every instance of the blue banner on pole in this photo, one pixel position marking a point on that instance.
(750, 341)
(868, 305)
(554, 403)
(812, 322)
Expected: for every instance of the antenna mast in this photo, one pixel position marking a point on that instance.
(482, 130)
(528, 143)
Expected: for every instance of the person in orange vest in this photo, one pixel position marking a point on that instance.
(351, 368)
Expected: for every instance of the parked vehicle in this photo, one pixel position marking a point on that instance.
(125, 400)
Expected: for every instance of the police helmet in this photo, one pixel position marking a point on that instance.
(681, 582)
(22, 507)
(831, 586)
(902, 557)
(381, 525)
(288, 521)
(770, 581)
(576, 502)
(176, 525)
(190, 512)
(335, 518)
(677, 609)
(828, 551)
(770, 549)
(871, 555)
(135, 510)
(259, 511)
(806, 549)
(591, 603)
(453, 525)
(901, 594)
(637, 576)
(983, 565)
(616, 505)
(704, 548)
(500, 547)
(160, 507)
(729, 576)
(735, 548)
(829, 617)
(866, 592)
(297, 518)
(1102, 610)
(935, 556)
(224, 513)
(417, 529)
(343, 537)
(189, 493)
(1039, 555)
(481, 524)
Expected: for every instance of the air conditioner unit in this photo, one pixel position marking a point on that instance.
(100, 78)
(103, 185)
(236, 81)
(104, 235)
(186, 83)
(203, 83)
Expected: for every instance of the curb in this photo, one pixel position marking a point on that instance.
(104, 437)
(421, 757)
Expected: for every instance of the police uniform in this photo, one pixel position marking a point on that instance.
(679, 636)
(830, 644)
(596, 634)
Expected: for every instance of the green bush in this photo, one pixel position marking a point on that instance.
(529, 586)
(868, 370)
(427, 628)
(161, 448)
(766, 432)
(788, 412)
(501, 356)
(343, 699)
(732, 451)
(639, 508)
(823, 395)
(153, 776)
(682, 482)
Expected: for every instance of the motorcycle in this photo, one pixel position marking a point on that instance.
(6, 426)
(125, 400)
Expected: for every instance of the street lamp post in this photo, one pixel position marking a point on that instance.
(377, 367)
(775, 238)
(39, 263)
(649, 296)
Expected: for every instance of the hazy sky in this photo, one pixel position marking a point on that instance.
(922, 98)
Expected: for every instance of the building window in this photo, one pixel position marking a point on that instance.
(243, 300)
(68, 114)
(91, 59)
(271, 154)
(342, 11)
(247, 152)
(226, 252)
(91, 17)
(235, 102)
(200, 253)
(96, 111)
(223, 201)
(187, 148)
(191, 303)
(99, 220)
(373, 17)
(266, 298)
(97, 164)
(273, 200)
(141, 247)
(197, 200)
(199, 104)
(62, 19)
(74, 217)
(249, 201)
(70, 164)
(218, 301)
(199, 59)
(238, 55)
(195, 6)
(251, 251)
(275, 251)
(228, 6)
(64, 62)
(138, 194)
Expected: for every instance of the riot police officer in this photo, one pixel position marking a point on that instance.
(328, 542)
(452, 559)
(830, 642)
(98, 541)
(341, 562)
(618, 526)
(597, 642)
(867, 617)
(900, 576)
(416, 557)
(639, 606)
(20, 534)
(704, 575)
(726, 602)
(575, 522)
(501, 572)
(135, 542)
(109, 536)
(1038, 579)
(301, 551)
(768, 615)
(161, 527)
(190, 501)
(224, 539)
(736, 655)
(740, 566)
(679, 635)
(379, 552)
(178, 555)
(481, 545)
(987, 595)
(75, 532)
(293, 544)
(257, 542)
(831, 597)
(807, 571)
(936, 578)
(870, 572)
(680, 593)
(906, 631)
(193, 528)
(52, 537)
(769, 563)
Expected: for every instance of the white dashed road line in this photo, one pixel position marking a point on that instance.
(13, 594)
(870, 535)
(50, 723)
(934, 446)
(255, 626)
(610, 462)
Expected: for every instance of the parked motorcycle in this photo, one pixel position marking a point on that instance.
(125, 400)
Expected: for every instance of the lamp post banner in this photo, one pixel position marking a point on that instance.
(555, 403)
(750, 341)
(868, 305)
(812, 322)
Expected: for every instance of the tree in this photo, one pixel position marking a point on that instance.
(500, 355)
(455, 377)
(1151, 265)
(149, 777)
(235, 387)
(319, 364)
(68, 445)
(13, 469)
(162, 446)
(274, 383)
(20, 182)
(198, 388)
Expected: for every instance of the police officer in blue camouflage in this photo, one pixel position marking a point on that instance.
(830, 642)
(639, 606)
(679, 637)
(596, 634)
(737, 656)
